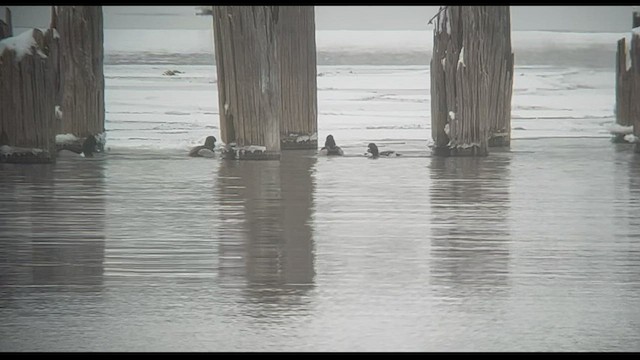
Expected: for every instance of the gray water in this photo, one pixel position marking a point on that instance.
(589, 57)
(532, 249)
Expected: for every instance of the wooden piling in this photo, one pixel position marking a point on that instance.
(628, 85)
(6, 28)
(471, 80)
(28, 68)
(635, 93)
(298, 73)
(249, 91)
(81, 87)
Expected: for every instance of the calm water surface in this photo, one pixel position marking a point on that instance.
(532, 249)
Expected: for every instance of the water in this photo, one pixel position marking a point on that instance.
(533, 249)
(143, 248)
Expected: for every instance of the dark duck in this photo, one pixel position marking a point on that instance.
(375, 153)
(89, 147)
(205, 150)
(330, 147)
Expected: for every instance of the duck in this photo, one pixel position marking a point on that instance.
(89, 147)
(205, 150)
(373, 150)
(330, 147)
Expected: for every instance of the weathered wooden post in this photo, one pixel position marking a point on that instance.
(28, 72)
(628, 85)
(297, 57)
(635, 60)
(6, 28)
(249, 91)
(81, 96)
(471, 80)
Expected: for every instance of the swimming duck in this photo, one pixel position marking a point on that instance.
(89, 147)
(205, 150)
(373, 150)
(330, 147)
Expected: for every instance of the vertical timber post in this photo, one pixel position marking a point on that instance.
(628, 84)
(81, 96)
(471, 80)
(28, 71)
(635, 60)
(249, 91)
(298, 73)
(6, 28)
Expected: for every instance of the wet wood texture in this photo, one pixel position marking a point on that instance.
(297, 57)
(81, 67)
(27, 100)
(249, 76)
(628, 85)
(471, 80)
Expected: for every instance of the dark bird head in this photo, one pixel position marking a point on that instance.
(330, 143)
(210, 142)
(373, 149)
(90, 146)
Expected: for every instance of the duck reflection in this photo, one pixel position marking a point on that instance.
(470, 204)
(53, 224)
(271, 202)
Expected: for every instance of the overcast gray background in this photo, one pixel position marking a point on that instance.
(554, 18)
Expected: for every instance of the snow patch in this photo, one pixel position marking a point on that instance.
(58, 112)
(463, 146)
(631, 138)
(627, 54)
(461, 58)
(22, 44)
(247, 149)
(65, 138)
(446, 129)
(452, 115)
(252, 148)
(620, 129)
(9, 150)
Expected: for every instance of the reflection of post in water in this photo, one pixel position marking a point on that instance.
(632, 215)
(67, 228)
(469, 237)
(271, 248)
(52, 218)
